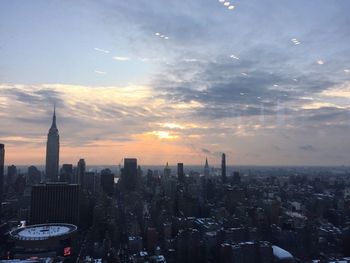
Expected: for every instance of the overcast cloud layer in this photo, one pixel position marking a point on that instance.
(267, 82)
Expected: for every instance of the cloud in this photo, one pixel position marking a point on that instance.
(121, 58)
(270, 91)
(101, 50)
(100, 72)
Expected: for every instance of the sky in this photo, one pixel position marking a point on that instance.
(266, 82)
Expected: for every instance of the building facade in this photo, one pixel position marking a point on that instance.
(55, 203)
(52, 152)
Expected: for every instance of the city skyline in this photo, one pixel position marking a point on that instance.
(266, 83)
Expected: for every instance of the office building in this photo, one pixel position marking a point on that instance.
(52, 152)
(66, 174)
(2, 163)
(107, 181)
(180, 172)
(130, 173)
(34, 175)
(81, 172)
(223, 168)
(55, 203)
(206, 168)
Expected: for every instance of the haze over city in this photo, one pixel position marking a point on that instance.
(266, 82)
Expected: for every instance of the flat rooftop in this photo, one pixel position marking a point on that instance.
(42, 231)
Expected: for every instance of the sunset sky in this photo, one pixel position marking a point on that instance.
(265, 81)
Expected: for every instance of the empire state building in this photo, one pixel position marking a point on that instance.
(52, 151)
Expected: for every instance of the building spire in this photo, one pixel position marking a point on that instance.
(206, 168)
(53, 125)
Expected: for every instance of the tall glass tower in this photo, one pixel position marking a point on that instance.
(52, 151)
(223, 168)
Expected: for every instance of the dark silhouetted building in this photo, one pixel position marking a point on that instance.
(130, 173)
(66, 173)
(34, 175)
(81, 172)
(11, 175)
(180, 172)
(167, 170)
(206, 168)
(107, 181)
(52, 152)
(20, 184)
(223, 168)
(236, 178)
(55, 203)
(2, 163)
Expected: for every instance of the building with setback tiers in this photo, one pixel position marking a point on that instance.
(52, 151)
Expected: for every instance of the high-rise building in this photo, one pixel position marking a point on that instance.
(11, 175)
(2, 164)
(205, 180)
(52, 151)
(167, 171)
(180, 172)
(81, 172)
(107, 181)
(34, 175)
(130, 173)
(55, 203)
(66, 174)
(223, 168)
(92, 182)
(206, 168)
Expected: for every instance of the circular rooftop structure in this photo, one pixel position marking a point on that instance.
(43, 232)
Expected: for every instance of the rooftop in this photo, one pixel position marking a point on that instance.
(42, 231)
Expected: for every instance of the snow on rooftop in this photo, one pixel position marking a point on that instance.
(41, 232)
(281, 254)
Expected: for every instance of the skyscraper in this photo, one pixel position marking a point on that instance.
(223, 168)
(130, 173)
(2, 163)
(206, 168)
(167, 170)
(52, 151)
(107, 181)
(81, 172)
(55, 203)
(11, 175)
(205, 179)
(180, 172)
(66, 174)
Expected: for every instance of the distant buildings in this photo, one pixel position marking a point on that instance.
(52, 152)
